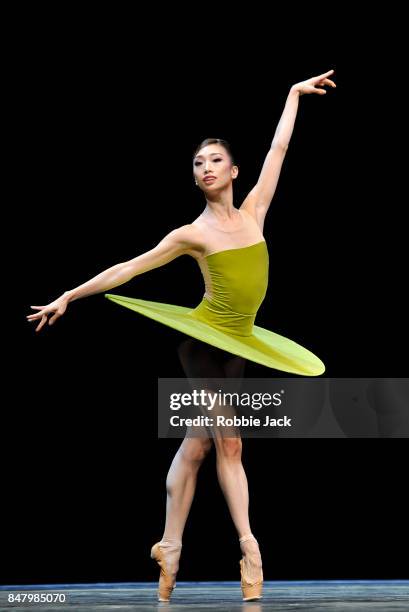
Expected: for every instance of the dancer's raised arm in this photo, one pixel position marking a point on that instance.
(259, 199)
(176, 243)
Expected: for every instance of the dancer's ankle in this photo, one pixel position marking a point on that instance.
(171, 541)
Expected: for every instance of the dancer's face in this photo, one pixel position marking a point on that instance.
(215, 161)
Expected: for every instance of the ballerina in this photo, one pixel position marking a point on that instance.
(230, 249)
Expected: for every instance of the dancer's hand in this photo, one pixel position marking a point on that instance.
(59, 306)
(308, 86)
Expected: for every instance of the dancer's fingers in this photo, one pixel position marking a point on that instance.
(327, 82)
(42, 322)
(32, 317)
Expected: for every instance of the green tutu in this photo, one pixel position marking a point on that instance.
(238, 284)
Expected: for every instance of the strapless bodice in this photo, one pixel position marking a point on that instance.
(236, 284)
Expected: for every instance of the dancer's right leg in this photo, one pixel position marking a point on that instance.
(182, 476)
(180, 487)
(181, 484)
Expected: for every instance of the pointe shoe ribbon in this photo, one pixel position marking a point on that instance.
(252, 589)
(166, 582)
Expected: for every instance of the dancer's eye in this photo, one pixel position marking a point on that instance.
(198, 163)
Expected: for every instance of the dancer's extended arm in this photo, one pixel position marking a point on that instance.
(259, 199)
(176, 243)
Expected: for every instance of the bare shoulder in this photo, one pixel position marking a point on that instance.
(190, 238)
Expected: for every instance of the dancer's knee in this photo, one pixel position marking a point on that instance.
(195, 449)
(229, 448)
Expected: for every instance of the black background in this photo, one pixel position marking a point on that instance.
(104, 125)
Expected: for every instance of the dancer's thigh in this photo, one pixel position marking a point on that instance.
(201, 360)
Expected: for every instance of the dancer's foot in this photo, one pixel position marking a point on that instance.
(167, 553)
(251, 568)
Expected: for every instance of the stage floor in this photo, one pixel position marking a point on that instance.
(324, 596)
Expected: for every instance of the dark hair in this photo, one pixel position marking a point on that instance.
(219, 141)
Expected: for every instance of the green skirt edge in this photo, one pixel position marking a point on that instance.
(264, 347)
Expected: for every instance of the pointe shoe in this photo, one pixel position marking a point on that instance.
(166, 582)
(251, 588)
